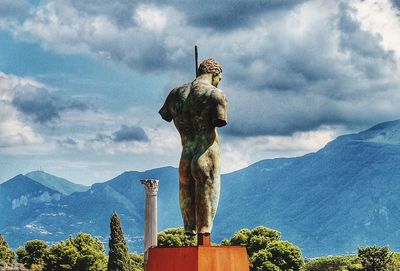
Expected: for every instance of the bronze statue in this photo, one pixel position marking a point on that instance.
(197, 109)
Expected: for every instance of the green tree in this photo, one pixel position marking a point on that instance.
(376, 258)
(61, 257)
(332, 263)
(240, 238)
(80, 253)
(260, 261)
(6, 253)
(137, 261)
(266, 251)
(32, 254)
(118, 259)
(175, 237)
(22, 256)
(254, 240)
(285, 255)
(396, 261)
(91, 253)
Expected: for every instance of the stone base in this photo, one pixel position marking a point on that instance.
(200, 258)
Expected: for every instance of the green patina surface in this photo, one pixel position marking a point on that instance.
(197, 109)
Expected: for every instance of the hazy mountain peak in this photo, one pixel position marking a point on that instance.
(21, 184)
(386, 132)
(20, 180)
(56, 183)
(388, 125)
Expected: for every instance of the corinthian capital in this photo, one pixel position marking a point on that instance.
(151, 186)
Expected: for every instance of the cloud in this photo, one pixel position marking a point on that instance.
(44, 106)
(13, 9)
(150, 18)
(217, 15)
(103, 138)
(68, 141)
(25, 105)
(300, 65)
(240, 152)
(130, 133)
(381, 18)
(325, 71)
(229, 15)
(14, 132)
(140, 44)
(126, 140)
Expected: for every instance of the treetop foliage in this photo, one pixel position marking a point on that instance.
(33, 253)
(6, 253)
(254, 240)
(332, 263)
(266, 250)
(376, 258)
(373, 258)
(118, 259)
(82, 252)
(3, 242)
(137, 261)
(175, 237)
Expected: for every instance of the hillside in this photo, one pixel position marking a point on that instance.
(328, 202)
(56, 183)
(22, 200)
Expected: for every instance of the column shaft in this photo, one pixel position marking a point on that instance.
(150, 218)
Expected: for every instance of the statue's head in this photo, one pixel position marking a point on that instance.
(210, 66)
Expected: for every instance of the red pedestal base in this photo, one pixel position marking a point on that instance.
(201, 258)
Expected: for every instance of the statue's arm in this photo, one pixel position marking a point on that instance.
(221, 111)
(165, 110)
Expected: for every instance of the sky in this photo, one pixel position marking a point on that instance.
(81, 82)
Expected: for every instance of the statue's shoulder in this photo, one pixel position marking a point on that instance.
(218, 95)
(210, 91)
(174, 103)
(180, 91)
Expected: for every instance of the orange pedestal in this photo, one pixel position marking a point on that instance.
(201, 258)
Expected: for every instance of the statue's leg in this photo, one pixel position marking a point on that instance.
(206, 172)
(187, 197)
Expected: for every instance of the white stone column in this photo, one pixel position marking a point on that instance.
(150, 219)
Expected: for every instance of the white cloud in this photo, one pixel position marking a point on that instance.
(143, 44)
(233, 157)
(13, 131)
(288, 72)
(151, 17)
(9, 84)
(300, 68)
(382, 19)
(56, 25)
(240, 152)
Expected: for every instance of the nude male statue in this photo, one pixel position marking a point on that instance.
(197, 108)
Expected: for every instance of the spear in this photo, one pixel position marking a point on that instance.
(196, 56)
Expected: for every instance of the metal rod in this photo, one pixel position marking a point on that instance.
(196, 56)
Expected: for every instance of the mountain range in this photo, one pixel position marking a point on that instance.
(56, 183)
(329, 202)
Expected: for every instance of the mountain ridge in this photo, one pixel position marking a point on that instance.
(56, 183)
(327, 202)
